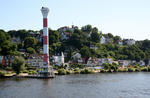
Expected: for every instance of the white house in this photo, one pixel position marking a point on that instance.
(103, 40)
(101, 61)
(130, 41)
(76, 56)
(141, 63)
(123, 63)
(120, 42)
(58, 60)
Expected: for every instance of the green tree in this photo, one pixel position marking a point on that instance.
(18, 64)
(54, 37)
(31, 50)
(30, 42)
(87, 28)
(85, 52)
(95, 37)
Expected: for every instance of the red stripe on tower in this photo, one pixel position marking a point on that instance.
(45, 40)
(46, 58)
(45, 22)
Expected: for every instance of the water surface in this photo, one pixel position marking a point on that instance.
(117, 85)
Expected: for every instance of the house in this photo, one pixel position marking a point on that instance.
(123, 63)
(101, 61)
(129, 42)
(120, 42)
(91, 62)
(15, 40)
(141, 63)
(58, 60)
(64, 34)
(105, 40)
(6, 60)
(77, 57)
(35, 60)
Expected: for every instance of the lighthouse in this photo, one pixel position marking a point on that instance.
(45, 70)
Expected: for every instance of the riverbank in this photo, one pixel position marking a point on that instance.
(62, 71)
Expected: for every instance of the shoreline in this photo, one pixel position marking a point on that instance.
(37, 77)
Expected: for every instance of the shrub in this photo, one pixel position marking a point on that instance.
(125, 70)
(25, 71)
(2, 74)
(102, 71)
(18, 64)
(145, 69)
(137, 69)
(32, 72)
(67, 72)
(87, 71)
(62, 72)
(131, 69)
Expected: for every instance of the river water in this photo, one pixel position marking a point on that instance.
(107, 85)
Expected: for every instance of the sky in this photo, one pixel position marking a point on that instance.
(126, 18)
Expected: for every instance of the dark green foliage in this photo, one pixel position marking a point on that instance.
(86, 71)
(30, 42)
(30, 50)
(18, 64)
(85, 52)
(54, 37)
(7, 48)
(2, 73)
(62, 72)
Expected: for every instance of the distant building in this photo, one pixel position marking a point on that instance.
(129, 42)
(101, 61)
(15, 40)
(64, 34)
(105, 40)
(141, 63)
(77, 57)
(120, 42)
(123, 63)
(58, 60)
(92, 62)
(35, 60)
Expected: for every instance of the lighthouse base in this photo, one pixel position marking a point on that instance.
(46, 72)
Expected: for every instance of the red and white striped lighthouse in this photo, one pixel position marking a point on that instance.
(45, 12)
(46, 69)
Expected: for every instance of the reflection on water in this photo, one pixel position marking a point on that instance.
(117, 85)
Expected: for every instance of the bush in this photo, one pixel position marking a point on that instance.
(62, 72)
(30, 68)
(67, 72)
(145, 69)
(77, 72)
(131, 69)
(125, 70)
(25, 71)
(18, 64)
(102, 70)
(32, 72)
(86, 71)
(2, 74)
(137, 69)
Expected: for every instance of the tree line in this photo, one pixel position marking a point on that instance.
(80, 40)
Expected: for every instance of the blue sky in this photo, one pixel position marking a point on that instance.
(126, 18)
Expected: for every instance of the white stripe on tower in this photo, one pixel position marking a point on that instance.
(45, 11)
